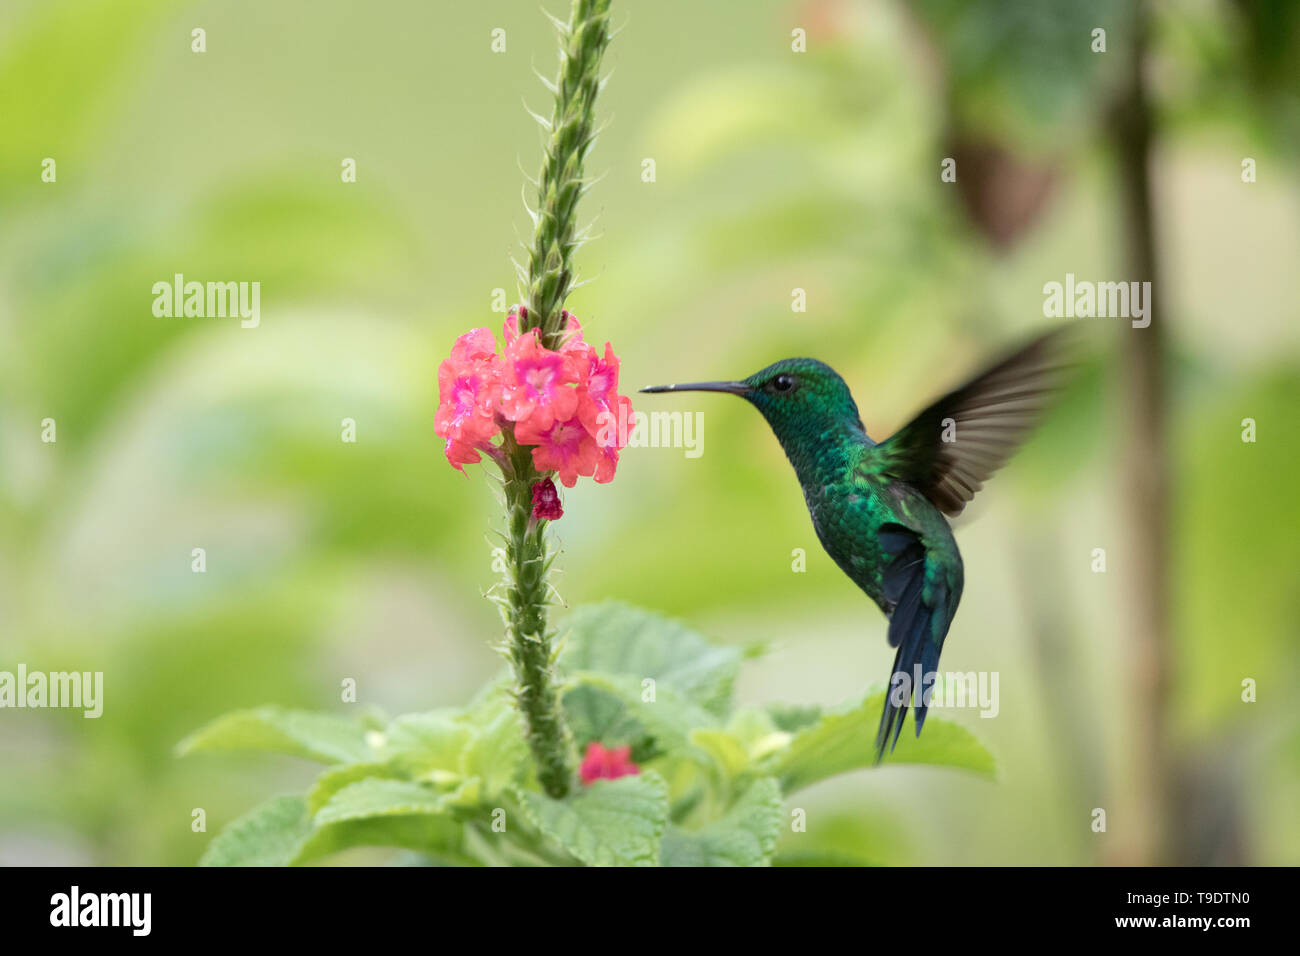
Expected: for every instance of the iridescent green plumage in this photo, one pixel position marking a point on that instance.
(879, 509)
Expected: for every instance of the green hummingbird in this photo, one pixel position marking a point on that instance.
(879, 508)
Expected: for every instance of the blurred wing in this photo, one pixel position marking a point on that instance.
(950, 449)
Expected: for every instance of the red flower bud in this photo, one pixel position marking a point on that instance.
(602, 764)
(546, 501)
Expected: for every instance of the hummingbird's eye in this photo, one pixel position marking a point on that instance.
(783, 383)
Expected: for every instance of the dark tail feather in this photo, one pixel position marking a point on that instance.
(929, 665)
(910, 630)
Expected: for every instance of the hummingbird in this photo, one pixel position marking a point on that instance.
(881, 510)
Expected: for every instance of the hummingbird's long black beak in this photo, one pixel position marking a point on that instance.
(731, 388)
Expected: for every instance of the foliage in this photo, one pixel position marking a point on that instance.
(457, 784)
(776, 170)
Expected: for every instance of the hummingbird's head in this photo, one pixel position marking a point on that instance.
(805, 402)
(801, 393)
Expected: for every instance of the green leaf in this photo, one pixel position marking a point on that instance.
(496, 754)
(439, 837)
(376, 797)
(870, 833)
(610, 823)
(749, 738)
(449, 746)
(614, 638)
(427, 742)
(726, 750)
(335, 779)
(792, 717)
(845, 740)
(281, 832)
(668, 719)
(745, 836)
(268, 835)
(321, 737)
(757, 732)
(596, 714)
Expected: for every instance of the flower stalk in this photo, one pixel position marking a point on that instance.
(530, 642)
(561, 184)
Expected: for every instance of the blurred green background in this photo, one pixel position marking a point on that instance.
(775, 171)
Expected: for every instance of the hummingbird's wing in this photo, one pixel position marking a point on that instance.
(951, 448)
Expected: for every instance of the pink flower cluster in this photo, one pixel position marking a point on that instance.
(602, 763)
(564, 403)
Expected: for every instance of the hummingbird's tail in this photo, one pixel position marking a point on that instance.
(917, 628)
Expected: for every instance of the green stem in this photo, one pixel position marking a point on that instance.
(561, 185)
(550, 278)
(530, 644)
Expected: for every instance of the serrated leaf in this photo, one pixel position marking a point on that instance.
(439, 837)
(268, 835)
(332, 781)
(610, 823)
(615, 638)
(668, 719)
(375, 797)
(745, 836)
(322, 737)
(281, 832)
(846, 740)
(596, 714)
(497, 753)
(421, 743)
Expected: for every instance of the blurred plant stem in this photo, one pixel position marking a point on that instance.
(549, 279)
(1079, 767)
(1146, 477)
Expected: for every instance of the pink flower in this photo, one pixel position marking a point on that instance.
(599, 393)
(606, 465)
(602, 764)
(546, 501)
(469, 390)
(458, 453)
(614, 427)
(536, 383)
(476, 345)
(466, 410)
(564, 447)
(563, 401)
